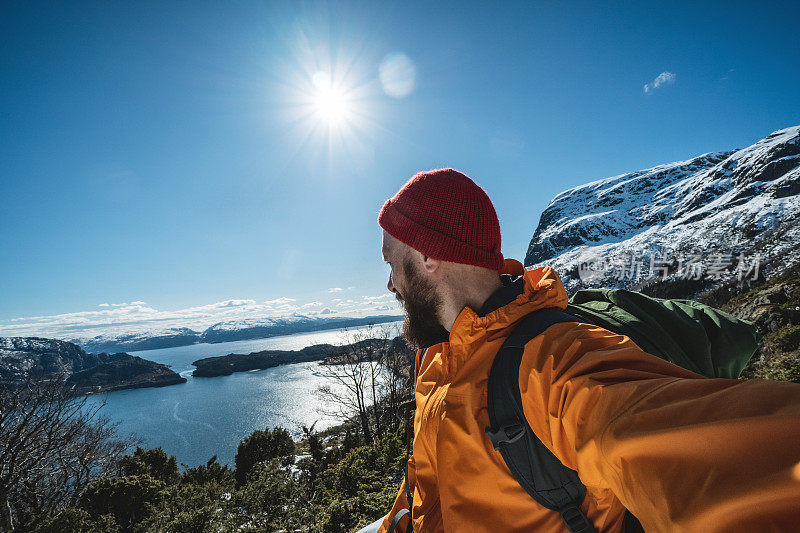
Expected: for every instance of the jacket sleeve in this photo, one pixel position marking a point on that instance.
(681, 452)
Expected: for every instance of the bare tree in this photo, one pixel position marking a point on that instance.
(52, 446)
(367, 378)
(399, 360)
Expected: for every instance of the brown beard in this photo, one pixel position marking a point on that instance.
(421, 302)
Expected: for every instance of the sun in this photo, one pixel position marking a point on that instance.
(330, 102)
(330, 105)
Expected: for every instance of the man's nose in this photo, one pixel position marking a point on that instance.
(389, 285)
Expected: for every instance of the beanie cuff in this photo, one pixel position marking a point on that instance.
(434, 244)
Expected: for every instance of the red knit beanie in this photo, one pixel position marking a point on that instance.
(445, 215)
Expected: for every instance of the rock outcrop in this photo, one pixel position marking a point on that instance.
(22, 358)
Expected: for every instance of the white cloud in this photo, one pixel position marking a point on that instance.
(335, 289)
(386, 296)
(662, 79)
(138, 317)
(233, 303)
(279, 301)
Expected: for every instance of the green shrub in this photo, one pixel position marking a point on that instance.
(361, 470)
(351, 514)
(265, 502)
(787, 338)
(78, 521)
(155, 463)
(784, 368)
(187, 508)
(211, 472)
(263, 446)
(128, 499)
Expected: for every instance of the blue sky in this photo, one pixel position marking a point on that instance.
(172, 156)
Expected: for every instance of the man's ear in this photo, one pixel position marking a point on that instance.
(430, 264)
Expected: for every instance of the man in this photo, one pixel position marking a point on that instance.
(681, 452)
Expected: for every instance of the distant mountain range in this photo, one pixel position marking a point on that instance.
(233, 330)
(701, 218)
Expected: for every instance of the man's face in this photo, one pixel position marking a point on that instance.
(418, 294)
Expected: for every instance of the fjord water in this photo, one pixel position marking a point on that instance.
(209, 416)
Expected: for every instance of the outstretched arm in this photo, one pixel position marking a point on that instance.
(682, 452)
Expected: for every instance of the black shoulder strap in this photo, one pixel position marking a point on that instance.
(532, 464)
(396, 520)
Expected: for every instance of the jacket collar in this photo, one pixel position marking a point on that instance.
(541, 287)
(512, 287)
(523, 292)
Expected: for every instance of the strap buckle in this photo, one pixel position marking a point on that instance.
(575, 520)
(506, 434)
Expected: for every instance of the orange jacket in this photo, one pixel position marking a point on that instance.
(682, 452)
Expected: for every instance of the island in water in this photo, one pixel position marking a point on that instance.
(225, 365)
(24, 358)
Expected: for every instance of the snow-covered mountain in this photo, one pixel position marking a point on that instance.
(230, 330)
(254, 328)
(716, 216)
(114, 340)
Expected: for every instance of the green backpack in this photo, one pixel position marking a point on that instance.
(692, 335)
(689, 334)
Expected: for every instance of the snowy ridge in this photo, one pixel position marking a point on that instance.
(125, 334)
(122, 339)
(26, 344)
(738, 202)
(242, 323)
(254, 328)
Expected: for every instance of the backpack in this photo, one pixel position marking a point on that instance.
(687, 333)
